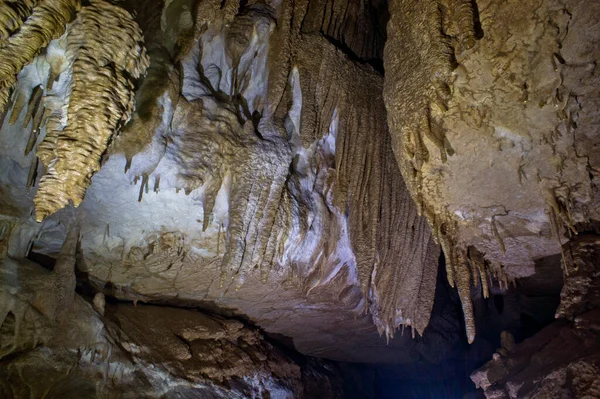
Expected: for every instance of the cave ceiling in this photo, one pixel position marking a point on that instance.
(304, 166)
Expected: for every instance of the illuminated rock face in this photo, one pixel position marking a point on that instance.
(235, 157)
(493, 111)
(258, 162)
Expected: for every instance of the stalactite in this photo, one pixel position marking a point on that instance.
(448, 248)
(32, 175)
(5, 95)
(19, 104)
(57, 61)
(12, 15)
(46, 22)
(477, 262)
(496, 234)
(211, 192)
(463, 285)
(464, 266)
(462, 13)
(38, 119)
(34, 102)
(559, 216)
(143, 188)
(106, 232)
(104, 67)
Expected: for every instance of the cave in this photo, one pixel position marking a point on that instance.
(299, 199)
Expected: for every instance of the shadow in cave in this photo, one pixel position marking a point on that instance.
(523, 309)
(446, 359)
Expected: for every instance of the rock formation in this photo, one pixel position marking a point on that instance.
(200, 197)
(497, 100)
(562, 360)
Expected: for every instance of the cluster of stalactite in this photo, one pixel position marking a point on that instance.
(96, 63)
(101, 101)
(26, 28)
(253, 139)
(436, 76)
(423, 55)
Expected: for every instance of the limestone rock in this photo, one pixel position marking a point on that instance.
(198, 195)
(493, 115)
(259, 175)
(182, 352)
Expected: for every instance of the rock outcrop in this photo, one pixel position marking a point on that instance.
(562, 360)
(55, 344)
(493, 110)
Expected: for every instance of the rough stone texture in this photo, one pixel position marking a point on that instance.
(234, 156)
(53, 344)
(563, 360)
(581, 291)
(493, 110)
(259, 179)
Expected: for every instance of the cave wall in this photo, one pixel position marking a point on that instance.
(493, 111)
(256, 174)
(298, 164)
(56, 344)
(563, 359)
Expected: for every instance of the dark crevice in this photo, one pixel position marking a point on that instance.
(522, 310)
(476, 21)
(47, 262)
(243, 4)
(381, 15)
(356, 27)
(499, 303)
(375, 63)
